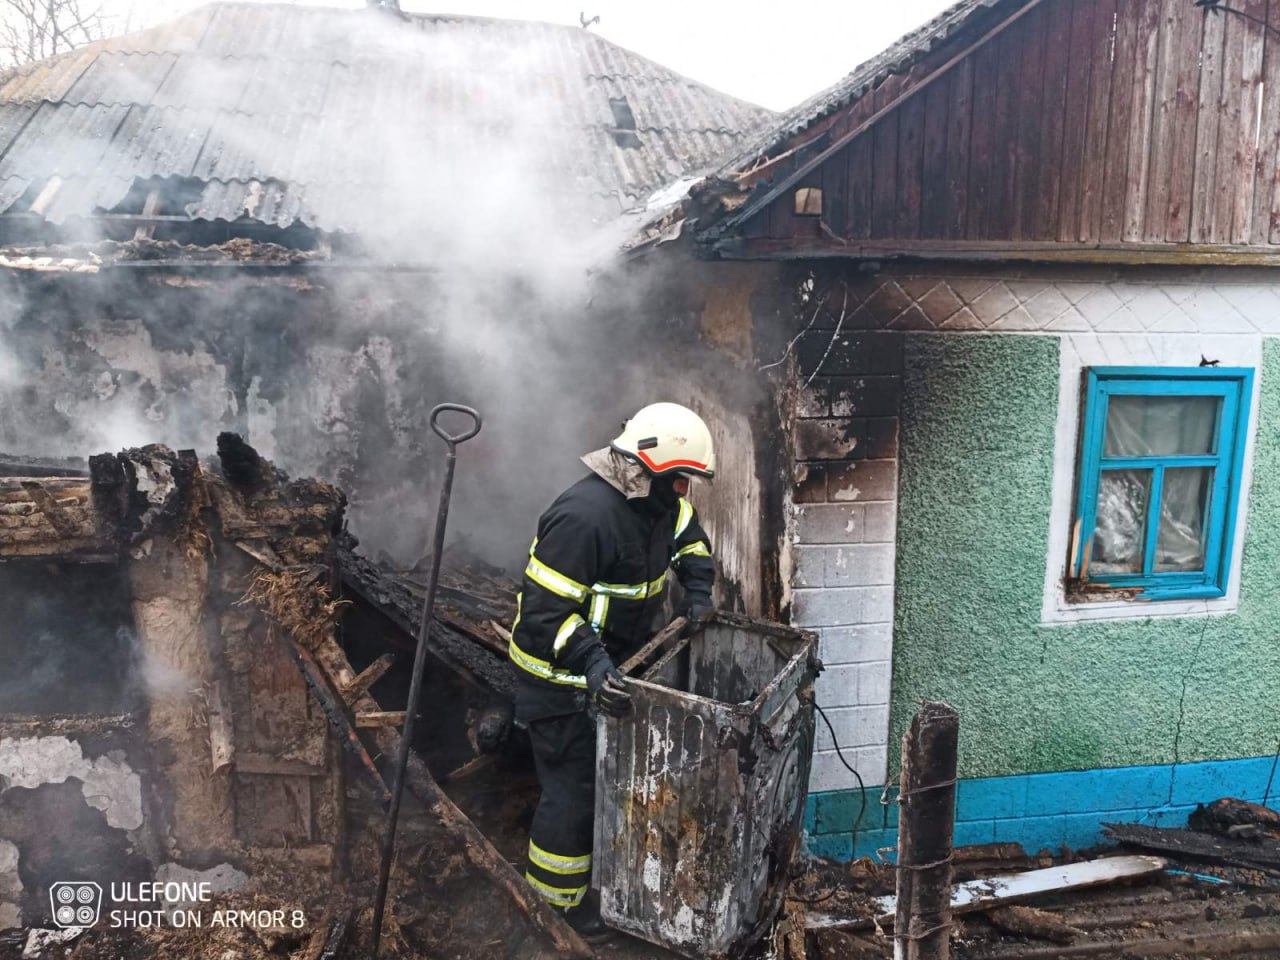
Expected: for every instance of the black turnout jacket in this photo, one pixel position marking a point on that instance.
(596, 574)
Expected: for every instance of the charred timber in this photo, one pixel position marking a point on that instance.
(1230, 851)
(241, 464)
(460, 632)
(926, 819)
(13, 465)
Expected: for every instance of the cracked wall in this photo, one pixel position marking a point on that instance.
(977, 461)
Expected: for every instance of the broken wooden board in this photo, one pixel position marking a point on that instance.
(1256, 939)
(1010, 888)
(1232, 851)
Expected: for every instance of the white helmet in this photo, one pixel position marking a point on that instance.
(668, 438)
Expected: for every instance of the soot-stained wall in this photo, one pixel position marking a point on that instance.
(977, 455)
(333, 374)
(73, 806)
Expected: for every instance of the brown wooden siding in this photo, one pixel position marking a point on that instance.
(1085, 123)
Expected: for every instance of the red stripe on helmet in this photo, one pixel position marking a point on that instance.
(657, 467)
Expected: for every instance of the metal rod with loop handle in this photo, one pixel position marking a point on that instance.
(419, 659)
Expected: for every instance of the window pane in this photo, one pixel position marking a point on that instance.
(1159, 426)
(1183, 507)
(1119, 534)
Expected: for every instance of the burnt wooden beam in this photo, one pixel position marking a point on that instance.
(926, 821)
(470, 657)
(336, 710)
(473, 766)
(642, 656)
(370, 675)
(1030, 922)
(14, 465)
(380, 718)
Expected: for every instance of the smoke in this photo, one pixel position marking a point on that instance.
(68, 648)
(457, 159)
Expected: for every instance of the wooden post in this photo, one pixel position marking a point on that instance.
(926, 818)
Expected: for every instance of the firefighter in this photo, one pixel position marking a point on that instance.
(593, 586)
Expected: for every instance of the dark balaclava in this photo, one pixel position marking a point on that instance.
(662, 491)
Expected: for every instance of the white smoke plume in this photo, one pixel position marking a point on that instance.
(484, 217)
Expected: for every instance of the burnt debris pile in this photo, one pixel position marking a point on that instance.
(203, 678)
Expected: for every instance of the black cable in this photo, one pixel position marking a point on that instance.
(862, 790)
(862, 793)
(1217, 6)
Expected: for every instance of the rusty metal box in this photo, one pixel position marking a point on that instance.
(700, 794)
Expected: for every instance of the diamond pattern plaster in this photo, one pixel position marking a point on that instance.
(930, 302)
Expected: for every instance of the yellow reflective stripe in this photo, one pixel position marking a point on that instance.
(628, 591)
(559, 896)
(631, 591)
(683, 518)
(558, 864)
(541, 668)
(556, 582)
(698, 549)
(570, 624)
(599, 611)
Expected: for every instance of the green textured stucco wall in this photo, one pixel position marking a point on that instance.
(977, 436)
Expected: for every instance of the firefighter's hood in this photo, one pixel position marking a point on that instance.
(625, 475)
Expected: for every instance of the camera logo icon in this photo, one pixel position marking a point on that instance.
(75, 904)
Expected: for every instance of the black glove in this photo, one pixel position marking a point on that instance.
(696, 609)
(605, 688)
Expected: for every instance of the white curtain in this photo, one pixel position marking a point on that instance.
(1155, 426)
(1161, 426)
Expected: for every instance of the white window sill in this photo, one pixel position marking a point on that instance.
(1086, 612)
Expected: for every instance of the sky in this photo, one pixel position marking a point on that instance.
(773, 54)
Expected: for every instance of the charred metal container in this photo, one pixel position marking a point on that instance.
(700, 793)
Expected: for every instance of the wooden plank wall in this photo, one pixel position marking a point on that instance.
(1105, 122)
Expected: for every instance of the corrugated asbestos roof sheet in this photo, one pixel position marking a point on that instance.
(869, 75)
(864, 78)
(327, 117)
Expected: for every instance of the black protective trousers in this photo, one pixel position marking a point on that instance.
(564, 753)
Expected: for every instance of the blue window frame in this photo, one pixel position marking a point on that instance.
(1161, 458)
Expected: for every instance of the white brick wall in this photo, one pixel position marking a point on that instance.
(843, 550)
